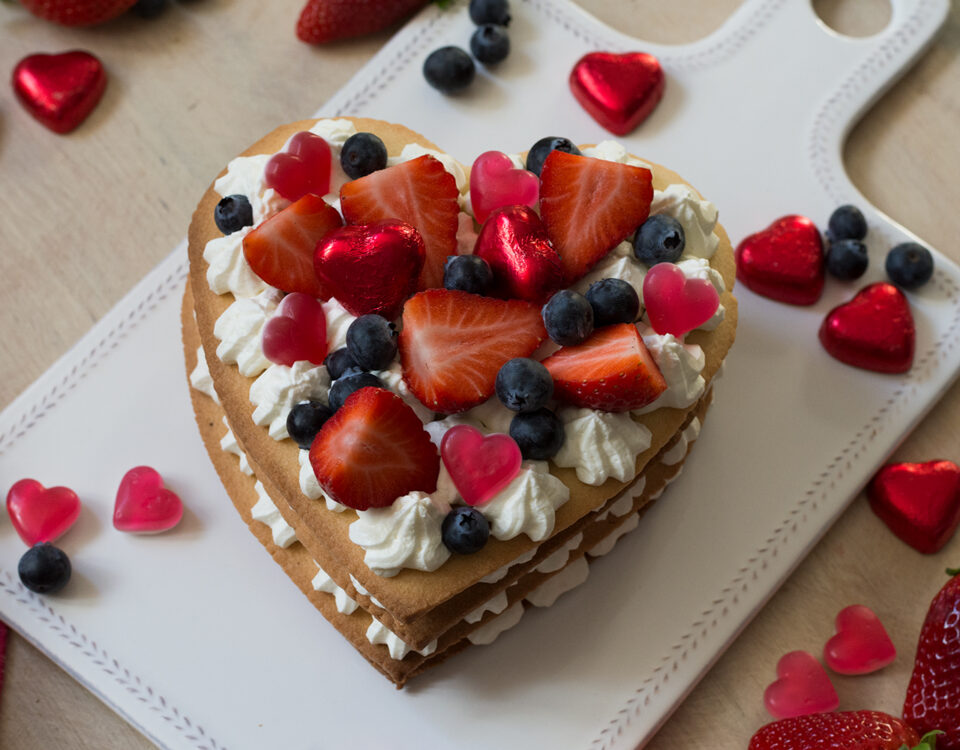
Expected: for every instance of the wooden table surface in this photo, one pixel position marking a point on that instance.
(85, 216)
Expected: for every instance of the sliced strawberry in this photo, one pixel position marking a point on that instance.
(612, 371)
(453, 344)
(420, 192)
(373, 450)
(280, 251)
(590, 205)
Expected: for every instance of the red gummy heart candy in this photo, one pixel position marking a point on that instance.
(919, 502)
(861, 644)
(303, 168)
(39, 514)
(618, 91)
(60, 90)
(784, 262)
(513, 240)
(371, 268)
(676, 304)
(297, 331)
(495, 182)
(479, 466)
(874, 330)
(144, 505)
(803, 688)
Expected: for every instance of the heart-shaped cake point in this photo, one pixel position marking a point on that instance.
(39, 514)
(785, 261)
(371, 268)
(296, 331)
(144, 505)
(676, 304)
(619, 91)
(60, 90)
(803, 688)
(513, 240)
(861, 644)
(480, 466)
(496, 182)
(919, 502)
(873, 331)
(303, 168)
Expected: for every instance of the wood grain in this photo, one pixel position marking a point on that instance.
(178, 107)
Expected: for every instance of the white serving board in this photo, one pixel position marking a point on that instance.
(197, 639)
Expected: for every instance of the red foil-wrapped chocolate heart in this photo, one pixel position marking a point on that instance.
(370, 268)
(60, 90)
(619, 91)
(874, 330)
(919, 502)
(513, 240)
(784, 262)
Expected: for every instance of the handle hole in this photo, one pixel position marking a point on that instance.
(854, 18)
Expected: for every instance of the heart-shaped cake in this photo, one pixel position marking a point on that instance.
(312, 455)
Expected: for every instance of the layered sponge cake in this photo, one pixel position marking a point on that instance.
(432, 423)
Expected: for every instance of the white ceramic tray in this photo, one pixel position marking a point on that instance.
(201, 642)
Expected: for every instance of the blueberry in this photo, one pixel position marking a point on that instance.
(524, 385)
(660, 239)
(539, 434)
(233, 213)
(362, 153)
(490, 11)
(847, 259)
(613, 301)
(568, 318)
(846, 223)
(149, 8)
(305, 420)
(372, 341)
(449, 69)
(490, 44)
(341, 389)
(464, 530)
(539, 151)
(337, 362)
(468, 273)
(909, 265)
(44, 569)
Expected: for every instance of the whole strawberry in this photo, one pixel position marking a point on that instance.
(77, 12)
(933, 695)
(328, 20)
(846, 730)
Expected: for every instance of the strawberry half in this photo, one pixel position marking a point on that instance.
(453, 344)
(327, 20)
(421, 193)
(280, 250)
(373, 450)
(611, 371)
(846, 730)
(590, 205)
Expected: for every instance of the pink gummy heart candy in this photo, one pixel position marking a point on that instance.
(495, 182)
(144, 505)
(861, 644)
(304, 167)
(39, 514)
(479, 466)
(297, 331)
(803, 688)
(676, 304)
